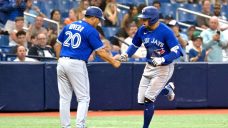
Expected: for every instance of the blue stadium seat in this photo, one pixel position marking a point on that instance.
(1, 57)
(194, 7)
(168, 9)
(5, 49)
(10, 57)
(164, 1)
(44, 7)
(138, 2)
(224, 11)
(4, 40)
(122, 1)
(110, 31)
(73, 3)
(121, 15)
(49, 6)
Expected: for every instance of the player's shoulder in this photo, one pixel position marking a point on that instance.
(164, 27)
(142, 29)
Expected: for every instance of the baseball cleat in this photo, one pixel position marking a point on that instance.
(171, 95)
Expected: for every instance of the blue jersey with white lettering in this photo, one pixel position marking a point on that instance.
(79, 40)
(160, 42)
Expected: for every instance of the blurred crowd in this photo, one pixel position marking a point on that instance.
(29, 36)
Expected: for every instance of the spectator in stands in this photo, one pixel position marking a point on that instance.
(3, 14)
(36, 28)
(111, 15)
(31, 9)
(213, 41)
(206, 9)
(42, 49)
(99, 3)
(21, 55)
(19, 24)
(191, 32)
(130, 16)
(21, 40)
(33, 41)
(168, 18)
(72, 16)
(178, 1)
(132, 29)
(194, 1)
(197, 53)
(84, 4)
(157, 4)
(217, 12)
(224, 2)
(139, 21)
(116, 45)
(10, 9)
(181, 37)
(56, 16)
(107, 46)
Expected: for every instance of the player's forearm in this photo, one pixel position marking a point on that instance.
(58, 47)
(105, 56)
(131, 50)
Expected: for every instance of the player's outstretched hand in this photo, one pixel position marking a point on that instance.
(157, 61)
(123, 57)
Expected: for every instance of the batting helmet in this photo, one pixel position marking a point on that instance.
(94, 11)
(150, 12)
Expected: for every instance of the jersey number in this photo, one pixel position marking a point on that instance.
(70, 41)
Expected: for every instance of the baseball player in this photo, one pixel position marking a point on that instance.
(162, 48)
(75, 44)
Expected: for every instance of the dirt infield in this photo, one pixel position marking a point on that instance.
(121, 113)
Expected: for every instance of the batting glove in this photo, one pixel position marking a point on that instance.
(123, 57)
(157, 61)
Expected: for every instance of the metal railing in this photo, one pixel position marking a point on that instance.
(195, 13)
(46, 19)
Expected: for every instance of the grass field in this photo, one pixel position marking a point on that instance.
(159, 121)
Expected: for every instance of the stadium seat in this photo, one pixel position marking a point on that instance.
(4, 40)
(1, 57)
(49, 7)
(168, 9)
(138, 2)
(73, 3)
(121, 1)
(110, 31)
(5, 49)
(164, 1)
(194, 7)
(121, 15)
(10, 57)
(224, 11)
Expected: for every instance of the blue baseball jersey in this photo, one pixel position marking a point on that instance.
(160, 42)
(79, 40)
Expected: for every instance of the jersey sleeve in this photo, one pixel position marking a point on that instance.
(136, 43)
(94, 40)
(60, 38)
(136, 39)
(175, 49)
